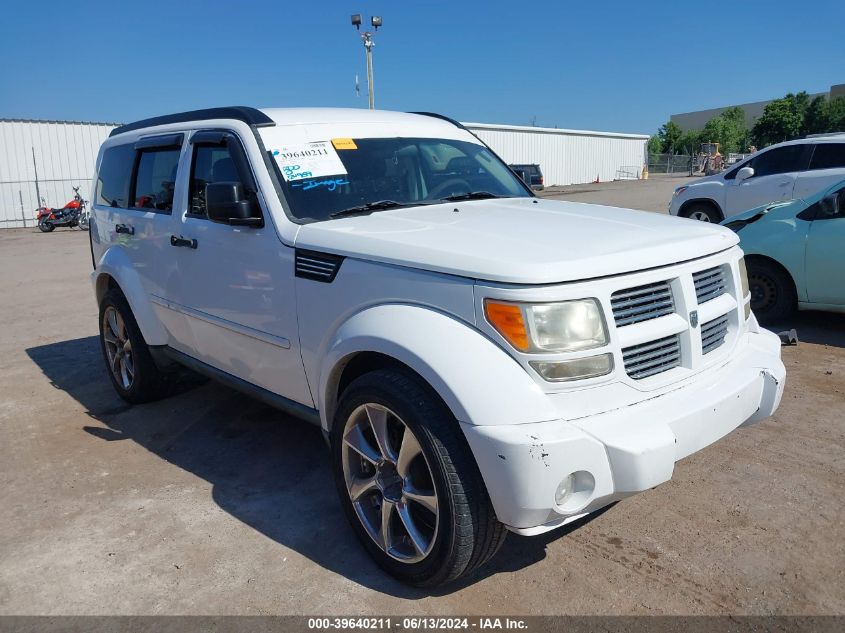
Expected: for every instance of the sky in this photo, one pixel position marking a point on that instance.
(614, 66)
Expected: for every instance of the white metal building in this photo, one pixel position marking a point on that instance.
(567, 157)
(47, 159)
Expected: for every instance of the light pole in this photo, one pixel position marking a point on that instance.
(367, 39)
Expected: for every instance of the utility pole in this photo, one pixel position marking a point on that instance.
(367, 39)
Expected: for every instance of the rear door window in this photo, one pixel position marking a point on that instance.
(114, 175)
(155, 179)
(828, 156)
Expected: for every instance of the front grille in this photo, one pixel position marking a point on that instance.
(654, 357)
(709, 283)
(642, 303)
(713, 334)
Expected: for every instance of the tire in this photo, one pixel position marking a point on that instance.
(702, 212)
(129, 364)
(46, 226)
(463, 532)
(83, 223)
(773, 297)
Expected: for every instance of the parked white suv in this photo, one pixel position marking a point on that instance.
(479, 359)
(795, 169)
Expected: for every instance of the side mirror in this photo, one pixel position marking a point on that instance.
(829, 206)
(228, 203)
(744, 174)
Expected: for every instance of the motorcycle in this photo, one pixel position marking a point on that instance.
(74, 213)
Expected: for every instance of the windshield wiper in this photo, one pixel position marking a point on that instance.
(369, 207)
(472, 195)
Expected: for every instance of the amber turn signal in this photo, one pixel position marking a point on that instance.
(508, 321)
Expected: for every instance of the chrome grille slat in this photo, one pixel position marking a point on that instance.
(709, 283)
(642, 303)
(653, 357)
(713, 334)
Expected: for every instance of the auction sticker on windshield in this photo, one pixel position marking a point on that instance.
(308, 160)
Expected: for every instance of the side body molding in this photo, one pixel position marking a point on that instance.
(478, 381)
(116, 264)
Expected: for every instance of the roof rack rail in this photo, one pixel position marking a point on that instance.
(823, 134)
(250, 116)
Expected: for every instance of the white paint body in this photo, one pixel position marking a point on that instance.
(732, 195)
(412, 287)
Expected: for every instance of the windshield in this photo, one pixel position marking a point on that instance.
(325, 179)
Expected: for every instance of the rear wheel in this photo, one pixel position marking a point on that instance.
(701, 212)
(46, 226)
(773, 297)
(408, 482)
(133, 373)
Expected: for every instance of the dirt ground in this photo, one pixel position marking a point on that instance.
(211, 503)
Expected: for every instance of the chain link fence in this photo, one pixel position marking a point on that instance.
(670, 164)
(20, 198)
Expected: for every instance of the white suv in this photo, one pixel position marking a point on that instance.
(795, 169)
(480, 360)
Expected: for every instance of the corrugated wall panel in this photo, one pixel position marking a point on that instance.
(565, 156)
(65, 153)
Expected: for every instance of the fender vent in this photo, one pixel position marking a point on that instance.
(317, 266)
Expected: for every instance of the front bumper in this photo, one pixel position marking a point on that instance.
(625, 450)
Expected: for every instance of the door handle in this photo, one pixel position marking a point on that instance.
(124, 228)
(183, 241)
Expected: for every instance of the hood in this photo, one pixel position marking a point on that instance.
(758, 212)
(519, 240)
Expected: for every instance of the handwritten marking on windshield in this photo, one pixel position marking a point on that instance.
(331, 184)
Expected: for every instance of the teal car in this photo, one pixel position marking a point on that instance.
(795, 254)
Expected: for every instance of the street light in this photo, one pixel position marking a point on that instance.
(367, 39)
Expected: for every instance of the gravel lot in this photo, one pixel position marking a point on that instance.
(211, 503)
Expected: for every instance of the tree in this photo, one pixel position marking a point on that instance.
(727, 129)
(836, 115)
(669, 134)
(816, 117)
(781, 121)
(689, 142)
(655, 145)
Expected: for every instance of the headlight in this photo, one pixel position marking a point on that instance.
(679, 191)
(743, 284)
(568, 326)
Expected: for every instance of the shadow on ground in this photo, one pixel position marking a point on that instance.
(821, 328)
(268, 470)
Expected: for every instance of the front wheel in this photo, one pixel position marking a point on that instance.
(701, 212)
(408, 482)
(773, 297)
(83, 222)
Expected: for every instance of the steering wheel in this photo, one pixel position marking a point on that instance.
(444, 186)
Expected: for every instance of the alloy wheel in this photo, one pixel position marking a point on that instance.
(700, 215)
(118, 348)
(390, 483)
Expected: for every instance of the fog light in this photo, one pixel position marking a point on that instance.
(564, 489)
(577, 369)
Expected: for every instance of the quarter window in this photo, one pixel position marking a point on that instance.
(155, 179)
(828, 156)
(114, 176)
